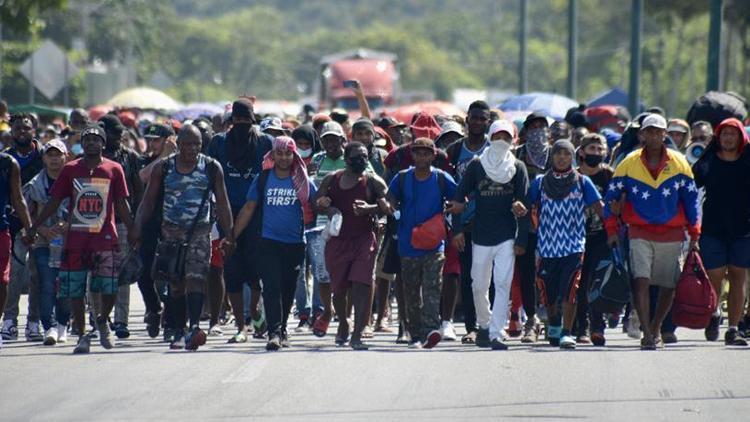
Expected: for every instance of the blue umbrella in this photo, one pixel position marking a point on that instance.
(553, 105)
(195, 110)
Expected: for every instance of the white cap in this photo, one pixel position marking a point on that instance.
(502, 125)
(654, 120)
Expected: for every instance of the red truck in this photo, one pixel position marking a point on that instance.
(375, 70)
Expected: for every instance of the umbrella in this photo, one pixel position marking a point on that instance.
(553, 105)
(406, 112)
(193, 111)
(41, 110)
(144, 98)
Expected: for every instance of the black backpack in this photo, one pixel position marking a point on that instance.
(610, 285)
(715, 106)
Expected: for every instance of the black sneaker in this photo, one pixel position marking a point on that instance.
(732, 338)
(669, 337)
(712, 331)
(153, 319)
(483, 338)
(284, 339)
(121, 330)
(169, 334)
(274, 343)
(497, 344)
(744, 327)
(83, 346)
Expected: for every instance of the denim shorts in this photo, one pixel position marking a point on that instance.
(718, 253)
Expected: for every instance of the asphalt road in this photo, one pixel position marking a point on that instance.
(140, 379)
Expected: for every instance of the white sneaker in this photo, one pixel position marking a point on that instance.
(62, 333)
(50, 337)
(634, 325)
(33, 331)
(415, 345)
(215, 331)
(448, 331)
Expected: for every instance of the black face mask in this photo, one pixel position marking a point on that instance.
(593, 160)
(358, 164)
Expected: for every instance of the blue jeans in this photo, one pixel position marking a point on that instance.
(306, 298)
(48, 300)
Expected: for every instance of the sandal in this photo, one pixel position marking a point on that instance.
(320, 327)
(648, 344)
(383, 328)
(469, 338)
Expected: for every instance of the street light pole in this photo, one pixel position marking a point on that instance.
(636, 29)
(522, 35)
(572, 48)
(713, 74)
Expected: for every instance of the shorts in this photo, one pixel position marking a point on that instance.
(242, 267)
(197, 258)
(719, 253)
(351, 260)
(558, 279)
(659, 262)
(5, 246)
(452, 261)
(217, 256)
(76, 265)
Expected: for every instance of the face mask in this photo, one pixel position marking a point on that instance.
(304, 153)
(500, 147)
(358, 164)
(593, 160)
(537, 136)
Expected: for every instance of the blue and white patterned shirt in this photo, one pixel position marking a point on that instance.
(562, 223)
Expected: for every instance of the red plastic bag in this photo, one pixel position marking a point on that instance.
(428, 235)
(695, 299)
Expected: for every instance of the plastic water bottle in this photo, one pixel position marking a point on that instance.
(55, 251)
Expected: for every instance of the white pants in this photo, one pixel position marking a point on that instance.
(483, 258)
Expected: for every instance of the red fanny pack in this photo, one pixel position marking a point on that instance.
(428, 235)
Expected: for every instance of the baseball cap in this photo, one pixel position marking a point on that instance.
(332, 128)
(95, 130)
(677, 125)
(388, 122)
(363, 123)
(537, 115)
(451, 126)
(654, 120)
(502, 125)
(159, 130)
(55, 144)
(423, 143)
(273, 123)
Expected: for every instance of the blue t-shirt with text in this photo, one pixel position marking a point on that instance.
(282, 211)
